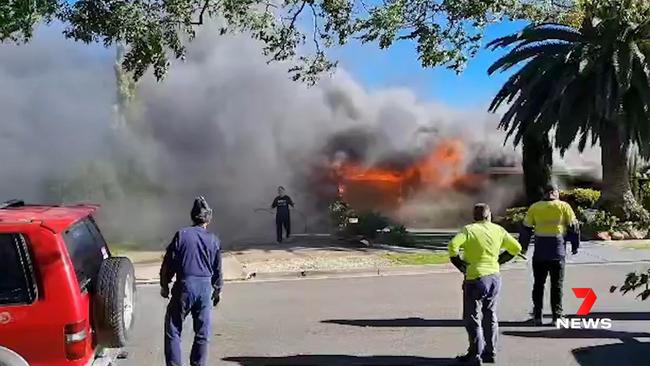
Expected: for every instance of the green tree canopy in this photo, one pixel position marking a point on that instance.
(446, 32)
(587, 83)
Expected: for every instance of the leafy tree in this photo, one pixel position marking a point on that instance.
(587, 83)
(446, 32)
(634, 282)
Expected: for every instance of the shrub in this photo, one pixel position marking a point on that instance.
(640, 217)
(340, 212)
(369, 223)
(581, 197)
(596, 221)
(398, 235)
(645, 195)
(635, 281)
(512, 219)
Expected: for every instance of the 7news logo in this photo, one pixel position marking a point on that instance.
(589, 297)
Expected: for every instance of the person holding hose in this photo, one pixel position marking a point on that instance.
(194, 258)
(282, 215)
(482, 244)
(553, 223)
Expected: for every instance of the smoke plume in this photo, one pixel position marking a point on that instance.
(224, 125)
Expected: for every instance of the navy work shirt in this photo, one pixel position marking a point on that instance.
(194, 252)
(282, 204)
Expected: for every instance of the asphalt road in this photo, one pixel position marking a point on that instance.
(399, 320)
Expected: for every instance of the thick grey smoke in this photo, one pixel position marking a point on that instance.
(224, 124)
(55, 100)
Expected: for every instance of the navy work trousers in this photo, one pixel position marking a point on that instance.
(481, 296)
(541, 270)
(191, 295)
(282, 221)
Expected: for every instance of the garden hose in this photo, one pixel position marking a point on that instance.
(271, 211)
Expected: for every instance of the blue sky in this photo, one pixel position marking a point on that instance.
(399, 66)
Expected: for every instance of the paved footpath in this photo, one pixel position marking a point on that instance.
(323, 259)
(399, 320)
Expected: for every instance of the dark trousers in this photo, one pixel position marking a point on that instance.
(282, 221)
(189, 296)
(541, 270)
(480, 297)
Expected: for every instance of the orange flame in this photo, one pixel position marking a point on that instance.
(442, 168)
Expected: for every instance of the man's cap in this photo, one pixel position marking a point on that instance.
(201, 211)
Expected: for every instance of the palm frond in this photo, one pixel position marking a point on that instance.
(522, 54)
(622, 62)
(641, 59)
(538, 32)
(520, 81)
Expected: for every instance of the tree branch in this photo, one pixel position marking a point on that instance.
(316, 30)
(295, 16)
(203, 10)
(268, 6)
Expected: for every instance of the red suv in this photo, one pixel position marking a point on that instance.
(64, 299)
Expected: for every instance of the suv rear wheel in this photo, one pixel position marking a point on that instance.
(114, 302)
(11, 358)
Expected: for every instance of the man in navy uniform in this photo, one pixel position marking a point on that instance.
(194, 258)
(282, 216)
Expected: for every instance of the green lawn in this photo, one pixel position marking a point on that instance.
(638, 245)
(418, 258)
(136, 255)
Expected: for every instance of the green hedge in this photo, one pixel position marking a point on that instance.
(512, 219)
(581, 198)
(596, 221)
(398, 235)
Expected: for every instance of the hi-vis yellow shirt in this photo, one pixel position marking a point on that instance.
(550, 218)
(482, 243)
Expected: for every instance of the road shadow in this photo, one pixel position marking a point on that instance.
(415, 323)
(577, 334)
(340, 360)
(299, 242)
(630, 316)
(628, 353)
(450, 323)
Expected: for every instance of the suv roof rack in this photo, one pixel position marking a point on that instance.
(12, 203)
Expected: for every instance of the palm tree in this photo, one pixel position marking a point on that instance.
(587, 84)
(537, 163)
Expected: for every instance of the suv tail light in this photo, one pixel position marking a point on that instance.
(76, 340)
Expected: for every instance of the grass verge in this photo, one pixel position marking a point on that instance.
(639, 245)
(135, 254)
(415, 259)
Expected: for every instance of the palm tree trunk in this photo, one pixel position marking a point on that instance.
(537, 164)
(616, 197)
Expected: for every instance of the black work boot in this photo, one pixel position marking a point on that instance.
(537, 318)
(469, 359)
(556, 318)
(488, 358)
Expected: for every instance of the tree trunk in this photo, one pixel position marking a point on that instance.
(537, 164)
(616, 196)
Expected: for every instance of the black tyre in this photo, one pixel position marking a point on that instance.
(114, 302)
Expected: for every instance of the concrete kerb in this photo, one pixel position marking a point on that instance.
(310, 274)
(148, 272)
(375, 272)
(234, 271)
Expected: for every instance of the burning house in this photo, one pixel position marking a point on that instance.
(440, 174)
(387, 186)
